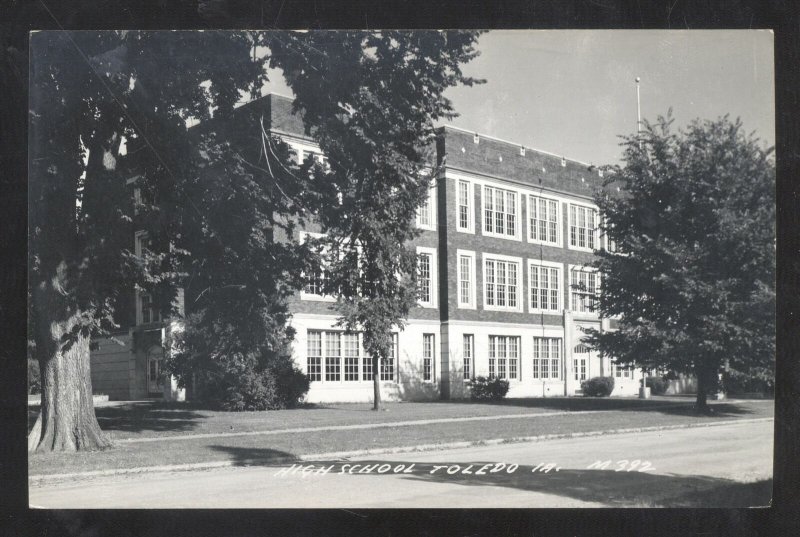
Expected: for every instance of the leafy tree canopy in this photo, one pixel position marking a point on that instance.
(692, 280)
(213, 200)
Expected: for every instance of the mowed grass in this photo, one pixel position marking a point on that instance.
(122, 420)
(171, 422)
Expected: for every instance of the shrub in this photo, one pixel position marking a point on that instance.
(738, 383)
(34, 377)
(249, 391)
(292, 386)
(491, 389)
(657, 385)
(598, 386)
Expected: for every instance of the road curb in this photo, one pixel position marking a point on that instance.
(38, 479)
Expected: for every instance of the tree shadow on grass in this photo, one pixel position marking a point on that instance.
(244, 456)
(150, 416)
(607, 487)
(680, 407)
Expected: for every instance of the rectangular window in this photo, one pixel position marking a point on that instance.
(606, 241)
(314, 355)
(315, 280)
(366, 368)
(333, 356)
(469, 344)
(582, 227)
(466, 279)
(500, 212)
(503, 357)
(424, 279)
(583, 290)
(546, 357)
(351, 357)
(464, 275)
(513, 357)
(427, 357)
(543, 214)
(621, 371)
(544, 287)
(425, 213)
(150, 313)
(387, 364)
(501, 282)
(464, 206)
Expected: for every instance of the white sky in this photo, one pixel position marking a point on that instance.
(572, 92)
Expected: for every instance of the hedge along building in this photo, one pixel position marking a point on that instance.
(505, 235)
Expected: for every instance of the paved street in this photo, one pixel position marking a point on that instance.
(688, 463)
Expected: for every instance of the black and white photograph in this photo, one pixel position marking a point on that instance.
(401, 269)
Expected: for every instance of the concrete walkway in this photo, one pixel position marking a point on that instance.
(379, 425)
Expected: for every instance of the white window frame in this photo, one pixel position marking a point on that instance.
(431, 204)
(520, 282)
(559, 222)
(304, 295)
(560, 279)
(468, 304)
(392, 364)
(470, 227)
(622, 372)
(468, 358)
(517, 236)
(432, 357)
(363, 362)
(605, 241)
(301, 149)
(537, 369)
(156, 317)
(320, 356)
(434, 277)
(595, 231)
(505, 358)
(598, 283)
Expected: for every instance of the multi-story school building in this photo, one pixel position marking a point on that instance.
(506, 235)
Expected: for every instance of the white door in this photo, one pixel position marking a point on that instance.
(580, 362)
(154, 380)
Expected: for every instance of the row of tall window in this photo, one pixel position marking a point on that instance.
(503, 288)
(501, 214)
(335, 356)
(503, 284)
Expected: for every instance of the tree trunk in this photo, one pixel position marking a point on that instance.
(376, 383)
(706, 383)
(67, 421)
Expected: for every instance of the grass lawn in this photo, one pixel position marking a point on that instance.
(148, 420)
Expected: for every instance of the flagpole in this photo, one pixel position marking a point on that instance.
(643, 389)
(638, 108)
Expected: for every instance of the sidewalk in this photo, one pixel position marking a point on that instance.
(238, 448)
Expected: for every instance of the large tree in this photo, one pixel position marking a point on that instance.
(374, 120)
(692, 279)
(93, 91)
(89, 91)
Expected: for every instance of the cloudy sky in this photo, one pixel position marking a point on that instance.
(573, 92)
